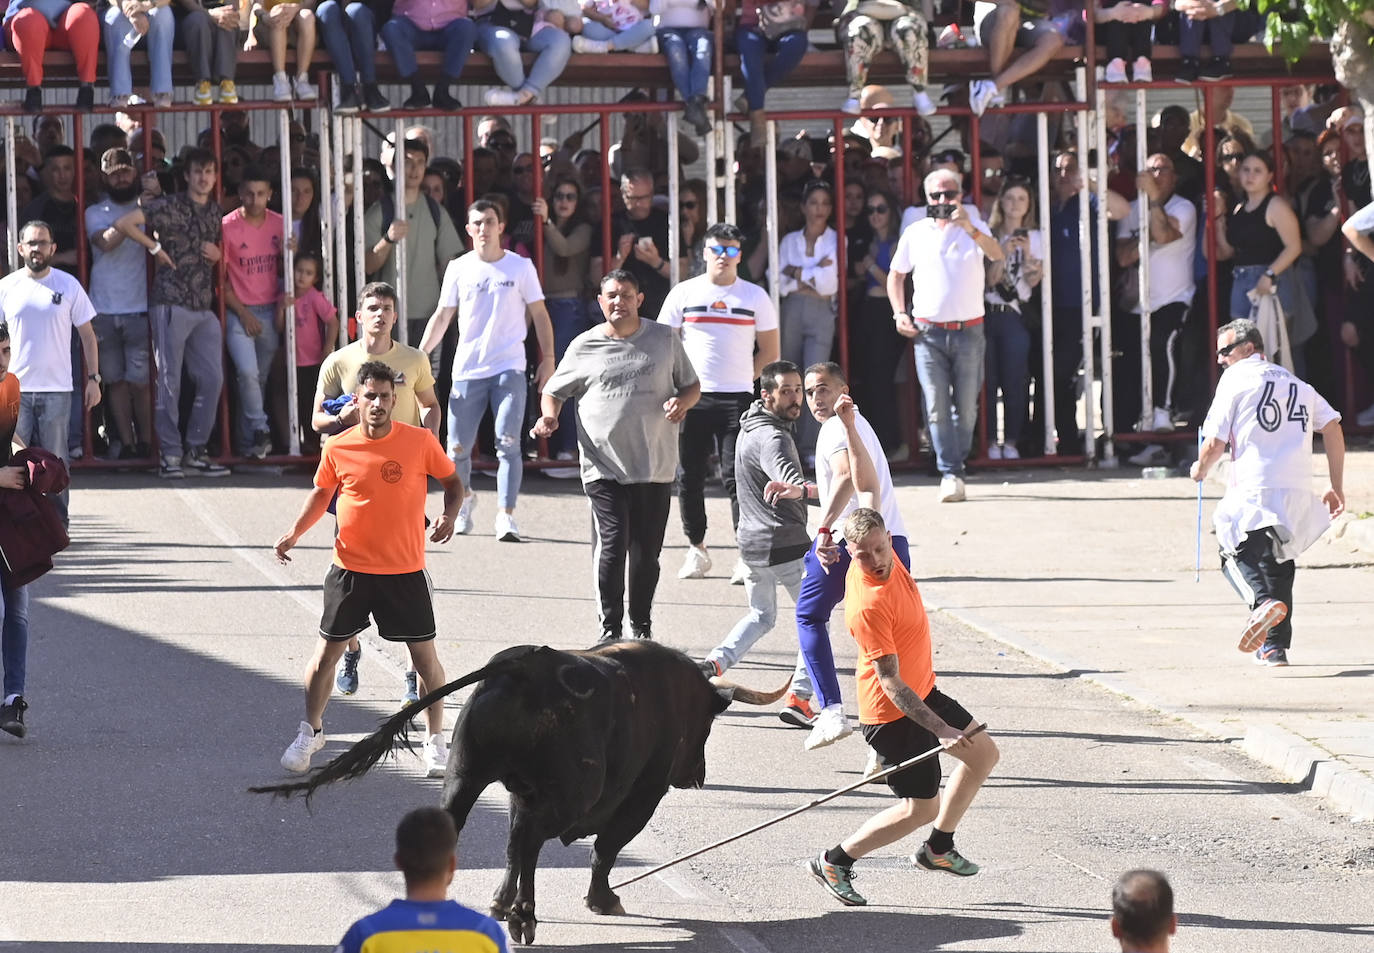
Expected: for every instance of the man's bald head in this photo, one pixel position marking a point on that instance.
(1143, 910)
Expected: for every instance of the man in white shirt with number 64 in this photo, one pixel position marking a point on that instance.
(1269, 514)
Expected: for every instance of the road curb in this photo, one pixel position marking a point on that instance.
(1316, 770)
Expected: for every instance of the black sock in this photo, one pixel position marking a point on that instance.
(838, 857)
(939, 841)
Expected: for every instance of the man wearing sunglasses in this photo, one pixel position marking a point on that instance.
(721, 319)
(1269, 514)
(945, 319)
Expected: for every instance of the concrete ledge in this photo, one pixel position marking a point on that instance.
(1319, 771)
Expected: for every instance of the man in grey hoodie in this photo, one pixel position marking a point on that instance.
(772, 534)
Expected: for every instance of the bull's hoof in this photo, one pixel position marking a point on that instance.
(520, 922)
(607, 906)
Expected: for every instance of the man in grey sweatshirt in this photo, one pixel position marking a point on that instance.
(771, 535)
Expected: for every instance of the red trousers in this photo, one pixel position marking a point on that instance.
(29, 35)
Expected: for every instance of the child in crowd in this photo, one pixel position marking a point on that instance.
(614, 25)
(268, 24)
(317, 328)
(1128, 27)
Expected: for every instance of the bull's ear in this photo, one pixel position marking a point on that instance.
(724, 696)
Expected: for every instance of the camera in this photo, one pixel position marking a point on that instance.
(939, 210)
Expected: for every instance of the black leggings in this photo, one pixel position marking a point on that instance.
(629, 520)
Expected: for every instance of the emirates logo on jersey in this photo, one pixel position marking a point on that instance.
(391, 471)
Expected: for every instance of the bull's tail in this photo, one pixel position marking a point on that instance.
(359, 759)
(749, 696)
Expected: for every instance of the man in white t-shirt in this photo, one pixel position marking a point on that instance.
(42, 305)
(721, 319)
(490, 290)
(1173, 240)
(945, 319)
(827, 561)
(1269, 514)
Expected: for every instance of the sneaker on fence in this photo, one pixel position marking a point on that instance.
(501, 96)
(581, 44)
(435, 756)
(1274, 656)
(829, 727)
(1267, 614)
(201, 96)
(951, 860)
(1115, 71)
(462, 525)
(1152, 456)
(1142, 71)
(982, 93)
(797, 712)
(197, 461)
(1218, 67)
(1187, 70)
(228, 92)
(305, 89)
(921, 100)
(348, 101)
(374, 100)
(170, 467)
(739, 574)
(347, 679)
(506, 530)
(162, 100)
(296, 757)
(696, 565)
(838, 880)
(281, 88)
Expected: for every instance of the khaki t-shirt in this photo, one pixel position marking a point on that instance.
(339, 375)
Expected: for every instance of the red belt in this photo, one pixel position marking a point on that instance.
(953, 325)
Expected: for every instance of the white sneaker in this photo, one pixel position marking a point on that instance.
(951, 489)
(872, 764)
(564, 473)
(1365, 418)
(921, 100)
(1161, 421)
(281, 88)
(982, 93)
(506, 530)
(1141, 71)
(435, 756)
(502, 96)
(463, 524)
(305, 89)
(851, 106)
(1009, 452)
(739, 574)
(829, 727)
(297, 756)
(994, 451)
(1152, 456)
(581, 44)
(1116, 71)
(696, 565)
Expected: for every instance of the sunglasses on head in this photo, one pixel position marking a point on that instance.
(729, 251)
(945, 194)
(876, 209)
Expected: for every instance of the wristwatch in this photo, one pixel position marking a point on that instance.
(1269, 273)
(93, 377)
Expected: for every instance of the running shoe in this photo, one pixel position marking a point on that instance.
(838, 880)
(830, 726)
(412, 693)
(696, 565)
(463, 524)
(739, 574)
(951, 860)
(435, 756)
(506, 530)
(1274, 656)
(1267, 614)
(797, 712)
(297, 755)
(347, 679)
(197, 462)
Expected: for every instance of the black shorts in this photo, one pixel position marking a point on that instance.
(401, 605)
(896, 741)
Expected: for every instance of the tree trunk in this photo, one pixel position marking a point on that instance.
(1354, 62)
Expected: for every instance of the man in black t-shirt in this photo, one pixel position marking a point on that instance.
(639, 242)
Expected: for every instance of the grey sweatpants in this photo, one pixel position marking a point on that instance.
(213, 53)
(194, 340)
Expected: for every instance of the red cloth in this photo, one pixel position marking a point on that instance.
(29, 35)
(31, 530)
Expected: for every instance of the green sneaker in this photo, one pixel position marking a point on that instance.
(952, 861)
(838, 880)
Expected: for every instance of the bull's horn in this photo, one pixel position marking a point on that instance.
(748, 695)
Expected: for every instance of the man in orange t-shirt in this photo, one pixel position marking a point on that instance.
(380, 469)
(902, 714)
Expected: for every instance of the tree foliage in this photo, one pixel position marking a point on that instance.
(1291, 25)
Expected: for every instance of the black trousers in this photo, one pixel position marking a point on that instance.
(1126, 41)
(1257, 574)
(876, 350)
(715, 418)
(1166, 326)
(629, 520)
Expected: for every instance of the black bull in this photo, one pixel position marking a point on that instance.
(586, 742)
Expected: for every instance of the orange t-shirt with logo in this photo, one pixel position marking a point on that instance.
(382, 485)
(9, 414)
(887, 617)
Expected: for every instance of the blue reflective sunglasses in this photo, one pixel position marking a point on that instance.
(729, 251)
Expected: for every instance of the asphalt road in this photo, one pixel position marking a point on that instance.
(164, 680)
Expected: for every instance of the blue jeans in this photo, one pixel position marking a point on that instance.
(553, 47)
(403, 38)
(252, 360)
(689, 54)
(626, 39)
(762, 72)
(350, 35)
(44, 421)
(821, 592)
(761, 587)
(158, 39)
(1008, 369)
(949, 364)
(505, 394)
(570, 317)
(1219, 30)
(14, 637)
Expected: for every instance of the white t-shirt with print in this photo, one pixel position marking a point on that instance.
(41, 313)
(491, 297)
(719, 324)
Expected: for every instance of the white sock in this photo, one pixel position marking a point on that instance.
(9, 699)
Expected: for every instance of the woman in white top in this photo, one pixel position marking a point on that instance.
(684, 36)
(808, 280)
(1010, 284)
